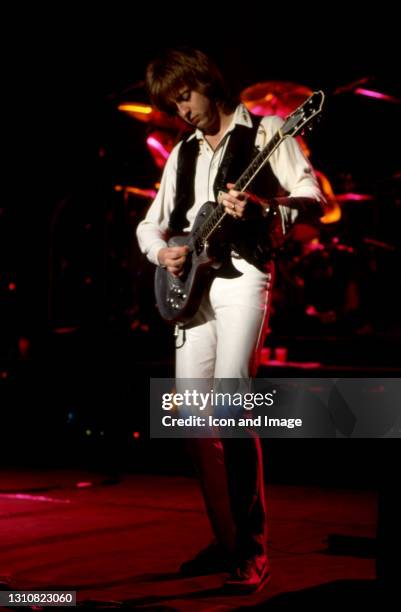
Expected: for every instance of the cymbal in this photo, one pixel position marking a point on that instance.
(354, 197)
(274, 97)
(148, 114)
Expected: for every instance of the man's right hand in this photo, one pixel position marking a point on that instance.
(173, 258)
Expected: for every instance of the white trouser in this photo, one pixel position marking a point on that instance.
(224, 340)
(226, 335)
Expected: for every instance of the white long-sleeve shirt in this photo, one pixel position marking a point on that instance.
(288, 163)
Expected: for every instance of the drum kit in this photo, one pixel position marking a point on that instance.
(323, 263)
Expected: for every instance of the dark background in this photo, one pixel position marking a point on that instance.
(87, 370)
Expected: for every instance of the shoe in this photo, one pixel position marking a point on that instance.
(211, 560)
(250, 575)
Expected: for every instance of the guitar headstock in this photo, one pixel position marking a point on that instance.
(303, 115)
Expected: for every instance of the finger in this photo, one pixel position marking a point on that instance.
(182, 253)
(241, 195)
(177, 255)
(230, 204)
(175, 263)
(230, 210)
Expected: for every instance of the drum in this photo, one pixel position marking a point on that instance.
(317, 288)
(330, 285)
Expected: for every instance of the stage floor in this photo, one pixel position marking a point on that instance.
(119, 542)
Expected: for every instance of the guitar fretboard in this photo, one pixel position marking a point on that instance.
(215, 218)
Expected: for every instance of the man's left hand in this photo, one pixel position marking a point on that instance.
(238, 203)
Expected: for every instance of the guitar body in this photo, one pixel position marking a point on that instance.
(178, 298)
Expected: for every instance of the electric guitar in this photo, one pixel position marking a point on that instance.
(178, 298)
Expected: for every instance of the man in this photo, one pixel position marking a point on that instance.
(225, 337)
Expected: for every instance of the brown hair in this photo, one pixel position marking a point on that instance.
(168, 73)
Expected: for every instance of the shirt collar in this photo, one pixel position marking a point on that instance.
(241, 117)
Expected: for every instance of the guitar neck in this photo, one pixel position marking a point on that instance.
(210, 225)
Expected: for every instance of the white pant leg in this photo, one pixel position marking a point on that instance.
(241, 308)
(222, 341)
(195, 356)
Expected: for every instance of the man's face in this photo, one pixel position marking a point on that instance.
(196, 109)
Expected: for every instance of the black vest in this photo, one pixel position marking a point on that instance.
(245, 236)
